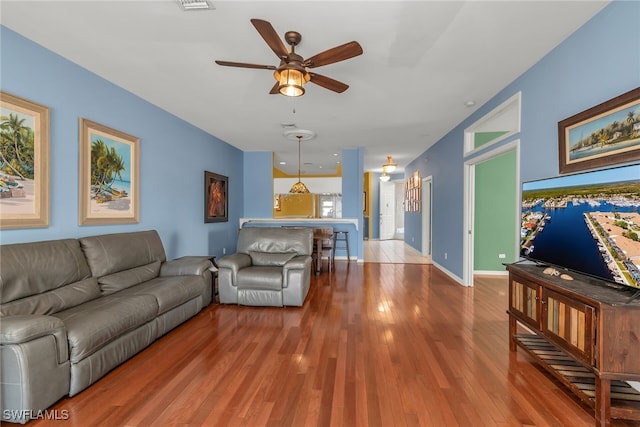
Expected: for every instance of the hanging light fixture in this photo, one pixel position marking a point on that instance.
(384, 177)
(299, 186)
(390, 166)
(291, 79)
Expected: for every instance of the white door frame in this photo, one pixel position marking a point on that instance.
(426, 208)
(469, 204)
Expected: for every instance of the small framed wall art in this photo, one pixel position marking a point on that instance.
(216, 194)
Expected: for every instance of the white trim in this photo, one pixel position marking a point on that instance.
(514, 102)
(448, 273)
(490, 273)
(469, 194)
(429, 248)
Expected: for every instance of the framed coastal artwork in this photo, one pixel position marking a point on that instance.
(24, 163)
(216, 193)
(606, 134)
(109, 175)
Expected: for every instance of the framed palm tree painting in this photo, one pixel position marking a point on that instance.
(24, 163)
(606, 134)
(109, 176)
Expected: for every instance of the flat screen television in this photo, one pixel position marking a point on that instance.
(585, 222)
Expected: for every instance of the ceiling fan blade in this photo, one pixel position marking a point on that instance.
(245, 65)
(274, 90)
(271, 37)
(336, 54)
(328, 83)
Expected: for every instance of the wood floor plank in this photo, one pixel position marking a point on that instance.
(374, 345)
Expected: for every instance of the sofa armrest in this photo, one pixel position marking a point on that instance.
(24, 328)
(298, 262)
(185, 266)
(234, 263)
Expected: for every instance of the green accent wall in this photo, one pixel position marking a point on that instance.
(482, 138)
(495, 212)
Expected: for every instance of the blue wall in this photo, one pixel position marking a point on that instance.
(258, 190)
(598, 62)
(174, 154)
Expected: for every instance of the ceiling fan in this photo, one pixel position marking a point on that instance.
(293, 71)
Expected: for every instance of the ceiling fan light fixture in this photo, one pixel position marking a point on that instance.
(291, 79)
(390, 166)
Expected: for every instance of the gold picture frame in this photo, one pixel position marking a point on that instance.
(109, 175)
(24, 163)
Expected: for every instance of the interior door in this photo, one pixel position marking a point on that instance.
(387, 209)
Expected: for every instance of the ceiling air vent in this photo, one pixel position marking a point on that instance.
(195, 5)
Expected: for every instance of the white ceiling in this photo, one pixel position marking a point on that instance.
(422, 61)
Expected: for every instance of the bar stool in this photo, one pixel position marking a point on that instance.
(341, 237)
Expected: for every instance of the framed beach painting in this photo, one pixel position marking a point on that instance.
(216, 194)
(606, 134)
(109, 175)
(24, 163)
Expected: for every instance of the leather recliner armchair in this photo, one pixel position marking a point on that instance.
(271, 267)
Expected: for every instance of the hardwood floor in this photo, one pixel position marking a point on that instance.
(392, 251)
(375, 344)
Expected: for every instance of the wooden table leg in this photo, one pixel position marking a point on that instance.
(513, 328)
(603, 402)
(318, 256)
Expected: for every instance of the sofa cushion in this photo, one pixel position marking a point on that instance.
(270, 259)
(55, 300)
(124, 279)
(110, 253)
(94, 324)
(33, 268)
(169, 291)
(266, 278)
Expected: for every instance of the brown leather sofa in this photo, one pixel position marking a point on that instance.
(73, 309)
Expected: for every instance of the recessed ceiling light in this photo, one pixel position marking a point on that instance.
(470, 103)
(196, 5)
(335, 154)
(283, 163)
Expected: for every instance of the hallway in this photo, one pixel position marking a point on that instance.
(392, 252)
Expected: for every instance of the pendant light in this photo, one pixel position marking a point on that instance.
(299, 186)
(390, 166)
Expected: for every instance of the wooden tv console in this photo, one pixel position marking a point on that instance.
(585, 334)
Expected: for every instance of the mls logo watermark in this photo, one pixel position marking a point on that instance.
(29, 414)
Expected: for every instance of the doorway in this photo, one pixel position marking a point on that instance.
(476, 224)
(387, 210)
(426, 216)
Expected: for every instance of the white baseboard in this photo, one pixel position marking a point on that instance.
(448, 273)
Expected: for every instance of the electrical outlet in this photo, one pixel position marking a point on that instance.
(445, 255)
(412, 239)
(224, 251)
(502, 256)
